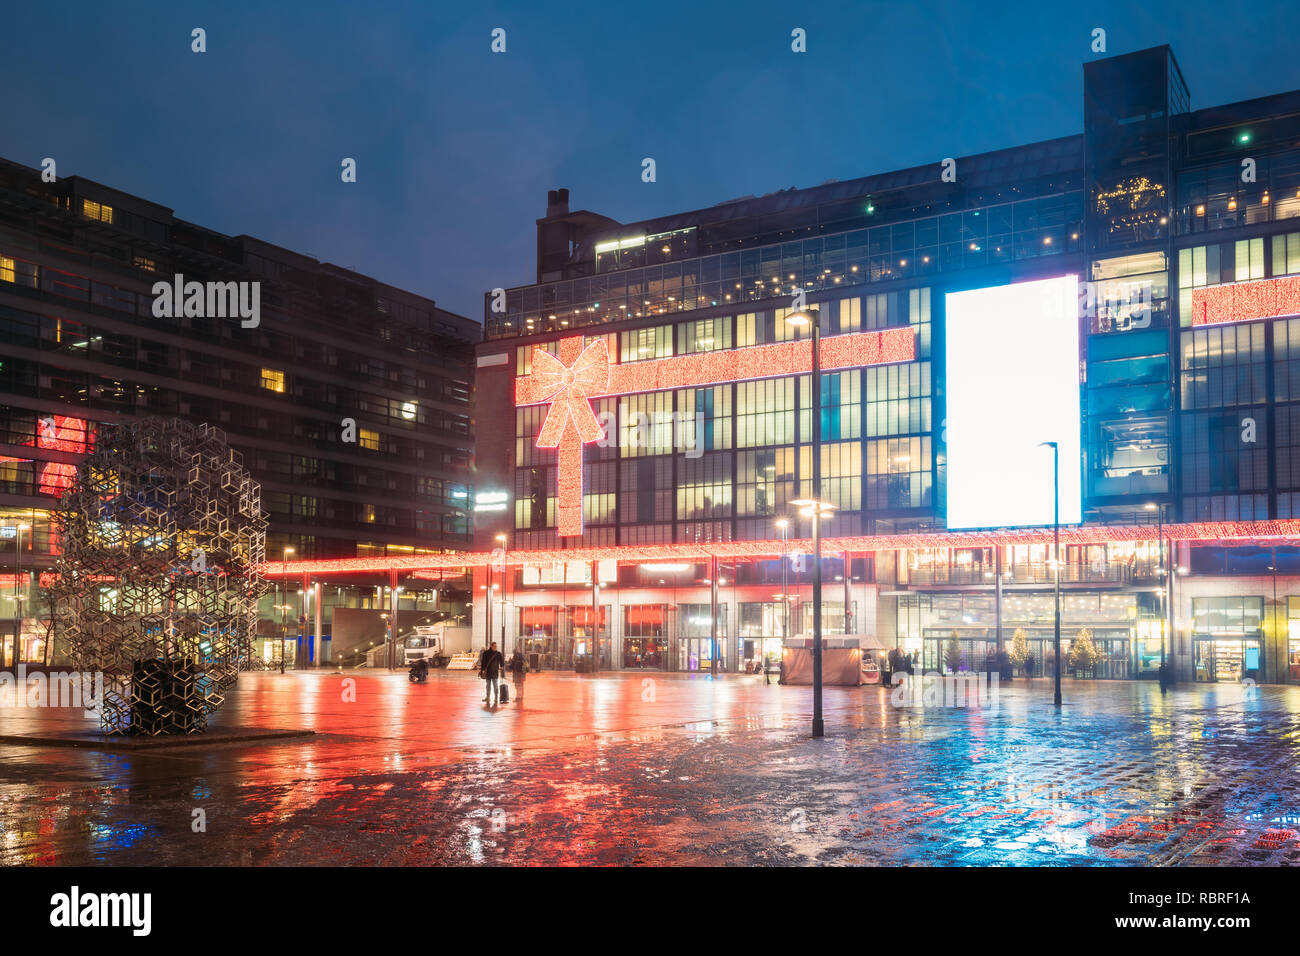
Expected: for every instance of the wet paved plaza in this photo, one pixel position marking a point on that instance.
(668, 769)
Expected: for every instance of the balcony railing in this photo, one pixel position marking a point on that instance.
(1036, 573)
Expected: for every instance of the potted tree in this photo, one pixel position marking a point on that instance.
(952, 654)
(1083, 656)
(1019, 652)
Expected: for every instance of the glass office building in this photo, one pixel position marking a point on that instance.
(1180, 229)
(81, 346)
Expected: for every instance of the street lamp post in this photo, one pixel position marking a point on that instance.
(1163, 570)
(784, 525)
(505, 583)
(1056, 560)
(18, 595)
(284, 608)
(812, 317)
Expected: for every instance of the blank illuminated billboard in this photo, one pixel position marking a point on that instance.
(1012, 384)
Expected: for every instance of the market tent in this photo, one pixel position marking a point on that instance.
(841, 666)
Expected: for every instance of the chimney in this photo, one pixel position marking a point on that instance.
(557, 203)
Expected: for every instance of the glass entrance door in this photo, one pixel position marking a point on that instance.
(1227, 659)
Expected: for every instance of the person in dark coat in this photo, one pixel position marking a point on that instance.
(490, 663)
(518, 673)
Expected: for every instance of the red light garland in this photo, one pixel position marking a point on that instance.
(1202, 532)
(67, 435)
(580, 374)
(1243, 301)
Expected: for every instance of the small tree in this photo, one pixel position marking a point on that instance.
(1083, 654)
(1019, 647)
(952, 653)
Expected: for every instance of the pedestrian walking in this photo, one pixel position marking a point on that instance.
(489, 668)
(1162, 674)
(518, 671)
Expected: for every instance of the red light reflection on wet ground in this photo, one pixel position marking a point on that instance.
(632, 768)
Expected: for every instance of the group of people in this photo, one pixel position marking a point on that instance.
(491, 664)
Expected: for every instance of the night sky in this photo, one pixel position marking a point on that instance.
(457, 146)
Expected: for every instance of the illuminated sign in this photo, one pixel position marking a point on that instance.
(581, 373)
(491, 501)
(1012, 384)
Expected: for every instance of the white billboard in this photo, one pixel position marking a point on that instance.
(1012, 383)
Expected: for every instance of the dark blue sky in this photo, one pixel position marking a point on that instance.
(456, 146)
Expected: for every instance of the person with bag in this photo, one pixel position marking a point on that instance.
(489, 668)
(518, 671)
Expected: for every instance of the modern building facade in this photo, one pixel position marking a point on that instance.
(82, 344)
(1180, 230)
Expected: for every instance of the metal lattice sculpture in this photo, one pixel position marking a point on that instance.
(163, 537)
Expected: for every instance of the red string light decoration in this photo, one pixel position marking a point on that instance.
(1277, 531)
(1243, 301)
(59, 433)
(580, 374)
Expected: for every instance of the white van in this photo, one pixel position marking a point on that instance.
(424, 642)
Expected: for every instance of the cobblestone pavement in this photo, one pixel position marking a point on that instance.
(668, 769)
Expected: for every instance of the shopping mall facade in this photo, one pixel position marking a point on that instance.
(643, 413)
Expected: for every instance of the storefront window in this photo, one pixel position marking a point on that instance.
(1293, 639)
(1227, 638)
(644, 635)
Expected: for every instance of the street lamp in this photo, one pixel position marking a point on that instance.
(816, 510)
(812, 317)
(284, 608)
(18, 595)
(505, 583)
(1056, 558)
(784, 525)
(1165, 600)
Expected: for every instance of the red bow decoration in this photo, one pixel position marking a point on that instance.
(567, 388)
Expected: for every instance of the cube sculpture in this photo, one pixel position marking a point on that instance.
(162, 538)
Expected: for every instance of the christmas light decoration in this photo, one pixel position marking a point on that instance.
(59, 433)
(1243, 301)
(580, 374)
(1279, 531)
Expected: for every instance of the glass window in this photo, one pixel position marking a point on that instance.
(765, 481)
(641, 344)
(1286, 254)
(765, 413)
(704, 335)
(1250, 259)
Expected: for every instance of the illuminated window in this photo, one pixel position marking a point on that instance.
(850, 315)
(646, 425)
(1250, 259)
(704, 335)
(18, 272)
(641, 344)
(98, 211)
(368, 513)
(524, 356)
(1286, 254)
(765, 413)
(369, 439)
(272, 380)
(148, 265)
